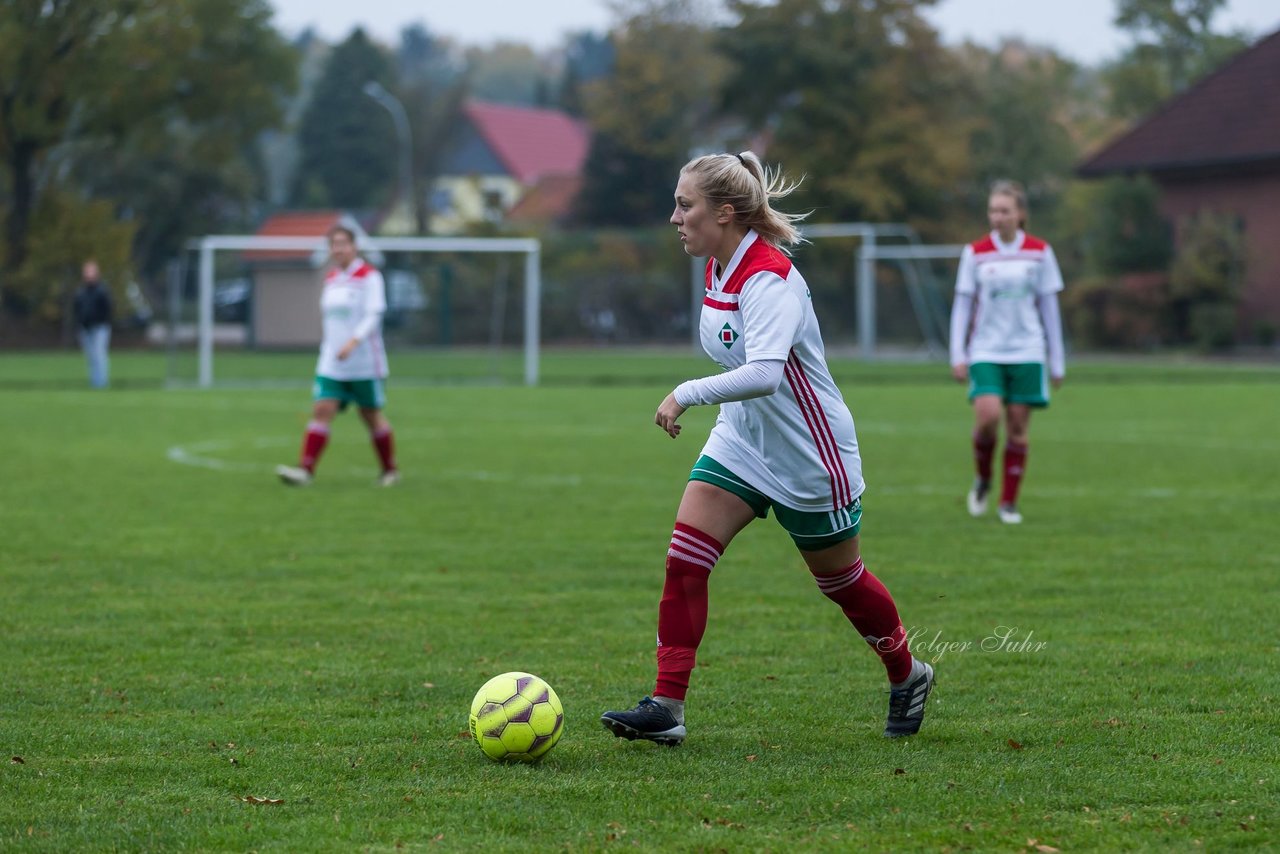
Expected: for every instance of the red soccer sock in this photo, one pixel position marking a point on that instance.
(984, 449)
(384, 444)
(1015, 462)
(313, 445)
(682, 613)
(870, 608)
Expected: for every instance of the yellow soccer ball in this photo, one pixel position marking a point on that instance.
(516, 717)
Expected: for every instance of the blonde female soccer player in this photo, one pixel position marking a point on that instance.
(353, 361)
(784, 440)
(1006, 341)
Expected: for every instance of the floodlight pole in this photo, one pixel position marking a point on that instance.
(400, 118)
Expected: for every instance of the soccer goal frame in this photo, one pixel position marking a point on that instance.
(871, 250)
(530, 248)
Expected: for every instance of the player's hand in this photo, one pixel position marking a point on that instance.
(347, 349)
(1056, 382)
(667, 414)
(960, 372)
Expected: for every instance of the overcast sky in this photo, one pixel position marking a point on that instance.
(1080, 29)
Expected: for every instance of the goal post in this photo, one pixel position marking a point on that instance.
(933, 323)
(207, 246)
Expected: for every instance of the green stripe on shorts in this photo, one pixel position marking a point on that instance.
(811, 531)
(709, 471)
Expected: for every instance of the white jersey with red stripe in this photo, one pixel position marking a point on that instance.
(798, 445)
(1006, 280)
(352, 304)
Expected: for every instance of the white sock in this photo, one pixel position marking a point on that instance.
(672, 705)
(916, 669)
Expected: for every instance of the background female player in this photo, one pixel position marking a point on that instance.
(353, 361)
(784, 440)
(1005, 325)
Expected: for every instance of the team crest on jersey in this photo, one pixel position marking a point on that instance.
(728, 336)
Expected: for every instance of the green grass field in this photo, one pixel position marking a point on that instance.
(181, 632)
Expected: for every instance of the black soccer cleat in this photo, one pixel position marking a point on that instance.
(649, 720)
(906, 705)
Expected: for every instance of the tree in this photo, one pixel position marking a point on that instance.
(1174, 45)
(1207, 277)
(66, 229)
(508, 73)
(858, 94)
(647, 113)
(197, 79)
(348, 148)
(588, 57)
(1023, 100)
(433, 81)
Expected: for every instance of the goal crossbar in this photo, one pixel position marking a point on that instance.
(530, 248)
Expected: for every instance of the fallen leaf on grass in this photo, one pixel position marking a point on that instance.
(1016, 745)
(251, 799)
(899, 770)
(18, 760)
(751, 757)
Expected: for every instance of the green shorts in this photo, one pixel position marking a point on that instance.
(811, 531)
(1027, 383)
(366, 394)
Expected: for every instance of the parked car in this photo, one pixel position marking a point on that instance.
(231, 300)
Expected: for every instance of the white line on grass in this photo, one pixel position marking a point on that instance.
(219, 455)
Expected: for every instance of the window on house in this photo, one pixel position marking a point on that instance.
(493, 207)
(442, 201)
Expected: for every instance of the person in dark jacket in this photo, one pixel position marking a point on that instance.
(93, 322)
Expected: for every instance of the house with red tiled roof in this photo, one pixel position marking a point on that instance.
(503, 154)
(1216, 147)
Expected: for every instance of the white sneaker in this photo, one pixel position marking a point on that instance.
(293, 475)
(1009, 514)
(977, 498)
(389, 478)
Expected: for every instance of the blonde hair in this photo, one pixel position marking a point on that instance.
(1013, 189)
(745, 184)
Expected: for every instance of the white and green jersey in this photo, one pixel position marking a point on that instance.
(352, 304)
(796, 445)
(1006, 303)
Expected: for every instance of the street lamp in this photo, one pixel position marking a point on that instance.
(400, 118)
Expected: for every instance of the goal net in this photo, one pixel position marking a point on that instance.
(244, 309)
